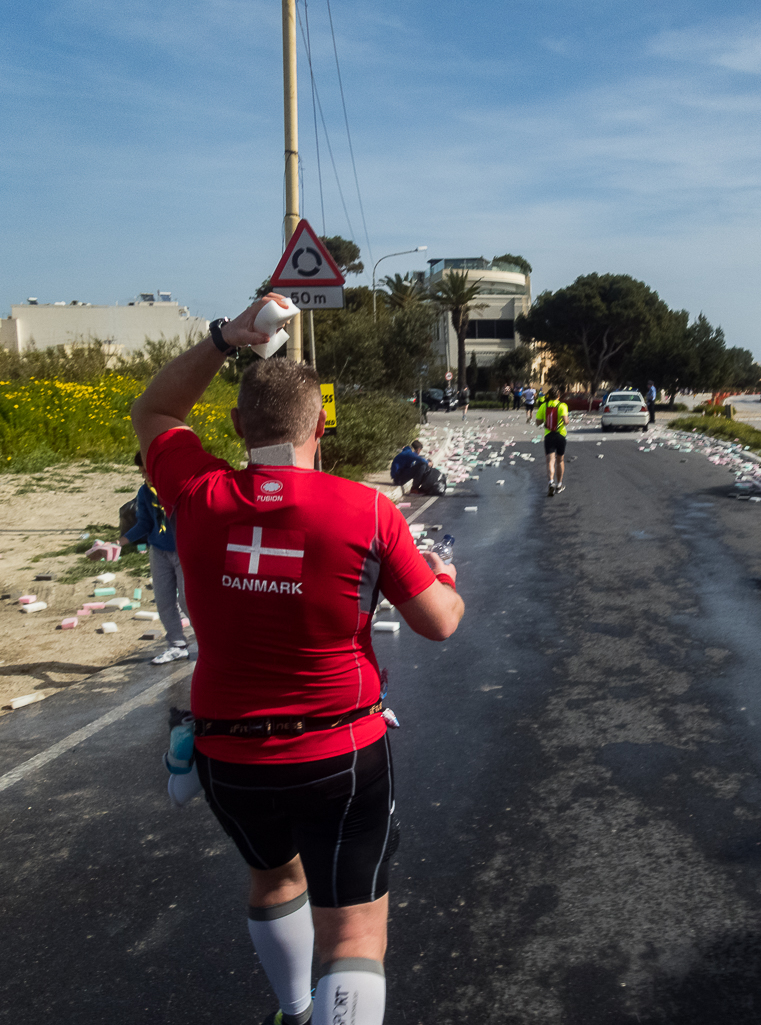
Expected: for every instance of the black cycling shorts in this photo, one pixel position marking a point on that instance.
(555, 442)
(337, 813)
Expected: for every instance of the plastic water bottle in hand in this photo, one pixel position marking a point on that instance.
(444, 548)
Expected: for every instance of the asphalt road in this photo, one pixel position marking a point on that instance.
(577, 778)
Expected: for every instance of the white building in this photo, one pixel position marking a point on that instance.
(504, 290)
(125, 328)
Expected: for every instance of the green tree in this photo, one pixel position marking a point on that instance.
(666, 356)
(713, 365)
(403, 292)
(457, 297)
(406, 345)
(517, 261)
(345, 253)
(514, 365)
(743, 371)
(598, 319)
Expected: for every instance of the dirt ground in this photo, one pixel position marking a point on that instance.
(41, 513)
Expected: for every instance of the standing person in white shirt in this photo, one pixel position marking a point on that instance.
(529, 400)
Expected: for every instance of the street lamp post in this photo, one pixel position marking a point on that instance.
(417, 249)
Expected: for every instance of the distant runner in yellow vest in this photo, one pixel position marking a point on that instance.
(554, 415)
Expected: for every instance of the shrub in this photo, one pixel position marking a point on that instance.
(666, 407)
(720, 427)
(371, 430)
(710, 409)
(48, 422)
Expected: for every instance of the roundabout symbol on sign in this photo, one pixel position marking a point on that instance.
(306, 271)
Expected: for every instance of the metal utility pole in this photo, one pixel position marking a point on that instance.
(291, 121)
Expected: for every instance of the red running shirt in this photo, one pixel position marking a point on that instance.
(282, 572)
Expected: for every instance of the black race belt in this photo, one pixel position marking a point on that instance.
(279, 725)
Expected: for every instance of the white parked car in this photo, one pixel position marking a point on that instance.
(624, 409)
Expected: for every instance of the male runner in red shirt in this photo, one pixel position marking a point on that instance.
(283, 567)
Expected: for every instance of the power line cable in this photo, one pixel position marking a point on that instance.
(325, 129)
(314, 115)
(348, 134)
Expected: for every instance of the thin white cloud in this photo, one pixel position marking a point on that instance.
(735, 46)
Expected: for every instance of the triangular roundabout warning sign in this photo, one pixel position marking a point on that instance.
(306, 261)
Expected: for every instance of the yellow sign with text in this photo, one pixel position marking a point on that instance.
(329, 405)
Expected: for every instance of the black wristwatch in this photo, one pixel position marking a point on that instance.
(215, 330)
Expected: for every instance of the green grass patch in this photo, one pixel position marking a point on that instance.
(720, 427)
(48, 422)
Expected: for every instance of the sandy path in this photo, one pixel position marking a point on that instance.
(34, 509)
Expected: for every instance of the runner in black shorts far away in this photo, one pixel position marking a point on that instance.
(283, 567)
(554, 415)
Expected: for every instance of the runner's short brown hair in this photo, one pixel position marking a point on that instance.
(279, 401)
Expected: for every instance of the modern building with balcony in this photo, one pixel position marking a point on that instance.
(504, 290)
(124, 328)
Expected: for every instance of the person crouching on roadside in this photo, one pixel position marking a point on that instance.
(409, 465)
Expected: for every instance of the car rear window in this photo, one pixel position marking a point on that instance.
(626, 396)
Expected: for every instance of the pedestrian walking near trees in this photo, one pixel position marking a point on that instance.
(529, 400)
(650, 400)
(554, 415)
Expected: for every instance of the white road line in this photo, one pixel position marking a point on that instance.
(144, 698)
(422, 509)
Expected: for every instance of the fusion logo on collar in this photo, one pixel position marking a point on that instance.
(271, 487)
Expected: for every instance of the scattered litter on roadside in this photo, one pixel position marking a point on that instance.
(36, 606)
(69, 623)
(25, 699)
(500, 482)
(27, 599)
(109, 628)
(103, 592)
(105, 578)
(149, 616)
(471, 508)
(601, 456)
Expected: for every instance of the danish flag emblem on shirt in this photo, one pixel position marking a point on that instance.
(265, 551)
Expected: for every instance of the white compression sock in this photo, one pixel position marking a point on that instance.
(283, 937)
(351, 992)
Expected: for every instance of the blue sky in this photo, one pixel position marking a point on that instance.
(142, 144)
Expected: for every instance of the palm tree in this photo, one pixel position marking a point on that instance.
(403, 292)
(455, 295)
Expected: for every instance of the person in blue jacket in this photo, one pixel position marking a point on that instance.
(410, 465)
(168, 585)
